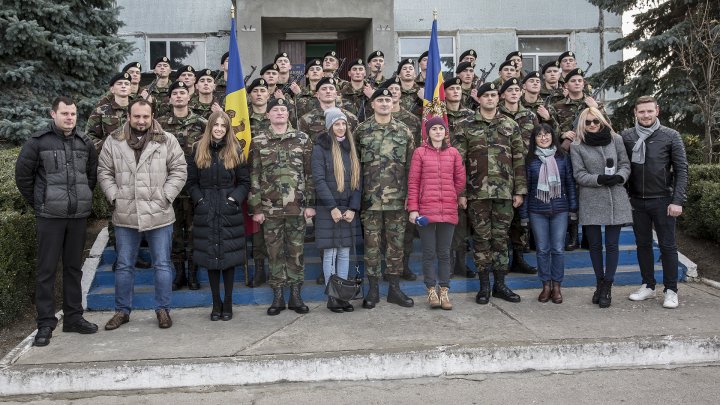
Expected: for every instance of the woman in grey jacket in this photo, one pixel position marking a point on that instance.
(601, 167)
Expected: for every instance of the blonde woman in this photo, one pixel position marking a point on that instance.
(601, 167)
(218, 182)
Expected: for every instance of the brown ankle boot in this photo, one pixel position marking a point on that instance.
(556, 294)
(545, 293)
(433, 298)
(444, 299)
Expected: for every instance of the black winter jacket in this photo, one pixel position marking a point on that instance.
(56, 174)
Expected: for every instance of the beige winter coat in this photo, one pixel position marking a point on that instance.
(142, 193)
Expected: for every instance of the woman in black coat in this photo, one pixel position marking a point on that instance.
(218, 182)
(338, 186)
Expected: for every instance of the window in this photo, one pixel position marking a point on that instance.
(181, 51)
(539, 50)
(412, 47)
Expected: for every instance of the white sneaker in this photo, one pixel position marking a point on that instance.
(671, 299)
(642, 293)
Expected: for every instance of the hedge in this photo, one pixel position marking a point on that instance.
(17, 263)
(701, 214)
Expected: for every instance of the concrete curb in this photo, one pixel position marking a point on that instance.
(358, 366)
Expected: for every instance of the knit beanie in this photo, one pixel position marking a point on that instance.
(332, 115)
(436, 121)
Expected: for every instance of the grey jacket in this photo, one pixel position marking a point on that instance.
(601, 205)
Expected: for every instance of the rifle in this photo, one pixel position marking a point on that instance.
(371, 81)
(598, 90)
(295, 79)
(485, 74)
(589, 65)
(247, 76)
(336, 74)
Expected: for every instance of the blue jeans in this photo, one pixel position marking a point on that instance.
(549, 232)
(336, 260)
(127, 244)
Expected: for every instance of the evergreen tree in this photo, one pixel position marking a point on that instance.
(50, 48)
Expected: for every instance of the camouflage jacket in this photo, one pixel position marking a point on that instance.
(220, 90)
(104, 120)
(355, 102)
(413, 123)
(533, 106)
(187, 130)
(410, 101)
(385, 151)
(258, 122)
(455, 118)
(564, 114)
(313, 123)
(493, 154)
(203, 110)
(281, 176)
(525, 119)
(305, 102)
(466, 101)
(550, 97)
(161, 100)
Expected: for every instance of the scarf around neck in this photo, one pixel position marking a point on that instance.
(600, 138)
(549, 184)
(638, 155)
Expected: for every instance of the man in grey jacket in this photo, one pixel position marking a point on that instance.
(657, 188)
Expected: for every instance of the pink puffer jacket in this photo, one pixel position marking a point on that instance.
(436, 179)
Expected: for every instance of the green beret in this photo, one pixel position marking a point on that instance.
(406, 61)
(132, 65)
(565, 54)
(532, 75)
(259, 82)
(356, 62)
(160, 59)
(469, 52)
(331, 53)
(380, 93)
(375, 54)
(280, 55)
(204, 72)
(389, 82)
(324, 81)
(177, 84)
(507, 63)
(489, 86)
(119, 76)
(453, 81)
(276, 102)
(464, 65)
(269, 66)
(314, 62)
(574, 72)
(548, 65)
(511, 54)
(184, 69)
(510, 82)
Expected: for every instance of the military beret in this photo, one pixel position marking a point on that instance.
(132, 65)
(507, 63)
(184, 69)
(356, 62)
(269, 66)
(324, 81)
(406, 61)
(469, 52)
(566, 54)
(510, 82)
(334, 54)
(177, 84)
(204, 72)
(259, 82)
(423, 55)
(548, 65)
(314, 62)
(511, 54)
(375, 54)
(161, 59)
(224, 58)
(389, 82)
(281, 55)
(532, 75)
(574, 72)
(276, 102)
(380, 93)
(119, 76)
(453, 81)
(464, 65)
(489, 86)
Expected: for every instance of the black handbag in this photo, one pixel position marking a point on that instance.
(342, 289)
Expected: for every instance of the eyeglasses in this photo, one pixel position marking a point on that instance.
(592, 122)
(543, 135)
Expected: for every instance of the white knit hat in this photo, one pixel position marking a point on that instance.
(332, 115)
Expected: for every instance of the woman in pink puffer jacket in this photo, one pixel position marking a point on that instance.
(436, 179)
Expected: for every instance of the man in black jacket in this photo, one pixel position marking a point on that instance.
(657, 188)
(56, 172)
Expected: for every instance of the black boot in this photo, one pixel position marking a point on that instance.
(193, 283)
(605, 294)
(227, 310)
(180, 280)
(334, 305)
(519, 264)
(259, 275)
(217, 308)
(395, 294)
(373, 294)
(296, 302)
(278, 303)
(483, 295)
(407, 273)
(596, 293)
(572, 243)
(500, 290)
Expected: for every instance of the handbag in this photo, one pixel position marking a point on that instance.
(342, 289)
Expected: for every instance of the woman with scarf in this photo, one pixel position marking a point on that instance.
(218, 183)
(601, 167)
(550, 201)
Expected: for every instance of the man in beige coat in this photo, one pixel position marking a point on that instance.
(141, 170)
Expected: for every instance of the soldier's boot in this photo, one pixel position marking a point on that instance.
(373, 294)
(519, 264)
(278, 303)
(572, 243)
(193, 282)
(500, 290)
(483, 295)
(407, 273)
(259, 277)
(180, 280)
(395, 294)
(296, 302)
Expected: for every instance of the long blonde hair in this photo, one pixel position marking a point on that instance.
(230, 154)
(339, 166)
(580, 133)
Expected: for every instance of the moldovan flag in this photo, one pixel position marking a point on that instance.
(236, 95)
(434, 101)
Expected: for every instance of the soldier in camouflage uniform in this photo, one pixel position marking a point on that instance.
(205, 103)
(516, 56)
(313, 123)
(356, 93)
(470, 56)
(551, 91)
(457, 114)
(531, 98)
(281, 199)
(187, 127)
(306, 100)
(331, 64)
(493, 151)
(507, 71)
(410, 98)
(221, 80)
(465, 71)
(422, 69)
(375, 66)
(511, 107)
(134, 70)
(385, 147)
(282, 60)
(157, 91)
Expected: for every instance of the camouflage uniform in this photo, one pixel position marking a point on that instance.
(292, 109)
(104, 120)
(385, 151)
(305, 102)
(258, 123)
(356, 102)
(281, 187)
(201, 109)
(466, 101)
(462, 230)
(565, 112)
(187, 130)
(220, 89)
(494, 157)
(410, 101)
(313, 123)
(161, 100)
(533, 106)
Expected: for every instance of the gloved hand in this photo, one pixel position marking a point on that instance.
(615, 180)
(604, 179)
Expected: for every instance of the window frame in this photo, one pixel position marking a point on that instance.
(174, 38)
(453, 55)
(536, 55)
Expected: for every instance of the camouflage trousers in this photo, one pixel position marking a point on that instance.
(284, 238)
(490, 220)
(389, 225)
(518, 235)
(182, 243)
(459, 242)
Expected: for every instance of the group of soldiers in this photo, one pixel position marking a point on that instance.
(490, 124)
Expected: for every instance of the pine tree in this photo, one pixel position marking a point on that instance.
(50, 48)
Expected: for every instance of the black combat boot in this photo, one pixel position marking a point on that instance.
(519, 264)
(572, 243)
(483, 295)
(373, 294)
(500, 290)
(605, 294)
(259, 274)
(278, 303)
(180, 280)
(193, 282)
(296, 302)
(596, 293)
(395, 295)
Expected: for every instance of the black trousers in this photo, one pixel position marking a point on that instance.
(648, 214)
(56, 238)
